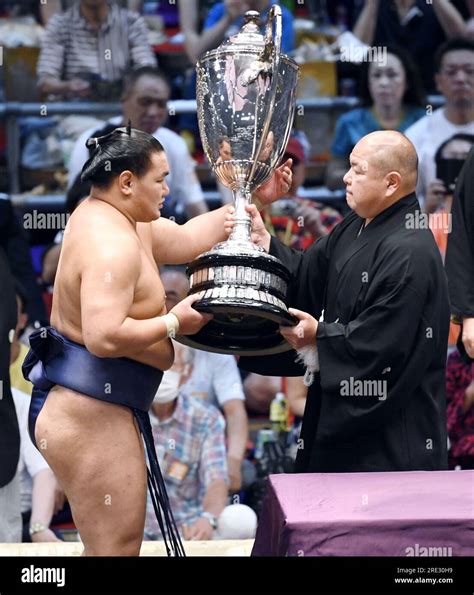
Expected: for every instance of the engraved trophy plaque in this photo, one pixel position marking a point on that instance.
(246, 92)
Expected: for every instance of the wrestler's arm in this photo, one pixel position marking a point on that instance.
(179, 244)
(108, 283)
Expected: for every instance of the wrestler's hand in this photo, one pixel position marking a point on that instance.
(277, 186)
(468, 336)
(259, 234)
(304, 333)
(190, 320)
(201, 530)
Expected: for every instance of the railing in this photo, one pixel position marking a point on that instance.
(11, 111)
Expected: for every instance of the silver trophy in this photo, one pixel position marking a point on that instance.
(246, 92)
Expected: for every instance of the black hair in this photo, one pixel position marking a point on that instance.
(78, 191)
(414, 93)
(132, 76)
(456, 43)
(122, 149)
(460, 136)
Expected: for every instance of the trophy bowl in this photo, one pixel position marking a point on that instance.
(246, 93)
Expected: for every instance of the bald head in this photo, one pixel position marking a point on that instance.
(391, 151)
(383, 170)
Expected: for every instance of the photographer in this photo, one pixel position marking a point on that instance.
(449, 159)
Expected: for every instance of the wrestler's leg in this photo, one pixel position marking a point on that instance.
(96, 452)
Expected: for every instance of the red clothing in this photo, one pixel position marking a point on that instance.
(460, 425)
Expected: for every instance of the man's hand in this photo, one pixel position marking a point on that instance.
(304, 333)
(190, 320)
(277, 186)
(234, 471)
(79, 87)
(468, 336)
(259, 233)
(201, 530)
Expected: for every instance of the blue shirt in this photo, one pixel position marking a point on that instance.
(351, 127)
(287, 38)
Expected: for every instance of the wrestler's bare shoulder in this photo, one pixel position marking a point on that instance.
(106, 271)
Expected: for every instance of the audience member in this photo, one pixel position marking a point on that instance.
(10, 513)
(189, 440)
(145, 94)
(455, 80)
(294, 220)
(460, 411)
(416, 25)
(14, 241)
(87, 49)
(392, 99)
(223, 20)
(214, 378)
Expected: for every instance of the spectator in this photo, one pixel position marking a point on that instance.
(392, 99)
(10, 514)
(460, 259)
(455, 80)
(189, 439)
(145, 94)
(87, 49)
(449, 159)
(15, 243)
(223, 20)
(295, 221)
(460, 411)
(40, 492)
(41, 495)
(419, 26)
(214, 378)
(18, 349)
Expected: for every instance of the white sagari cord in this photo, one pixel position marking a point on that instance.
(308, 356)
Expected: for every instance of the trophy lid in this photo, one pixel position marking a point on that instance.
(248, 36)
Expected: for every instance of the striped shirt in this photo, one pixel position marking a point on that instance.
(191, 450)
(72, 48)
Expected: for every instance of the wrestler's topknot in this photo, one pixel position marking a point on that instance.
(124, 148)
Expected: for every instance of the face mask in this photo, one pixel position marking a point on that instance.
(448, 170)
(168, 389)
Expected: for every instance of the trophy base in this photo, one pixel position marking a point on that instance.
(245, 290)
(240, 328)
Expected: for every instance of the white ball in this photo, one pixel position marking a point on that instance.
(237, 521)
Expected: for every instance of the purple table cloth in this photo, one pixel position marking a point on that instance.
(368, 514)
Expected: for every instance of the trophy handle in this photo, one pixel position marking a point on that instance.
(270, 54)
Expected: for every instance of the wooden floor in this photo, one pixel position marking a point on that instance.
(149, 548)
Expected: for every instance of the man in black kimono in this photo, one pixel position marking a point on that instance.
(460, 255)
(377, 285)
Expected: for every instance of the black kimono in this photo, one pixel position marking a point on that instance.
(378, 403)
(460, 252)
